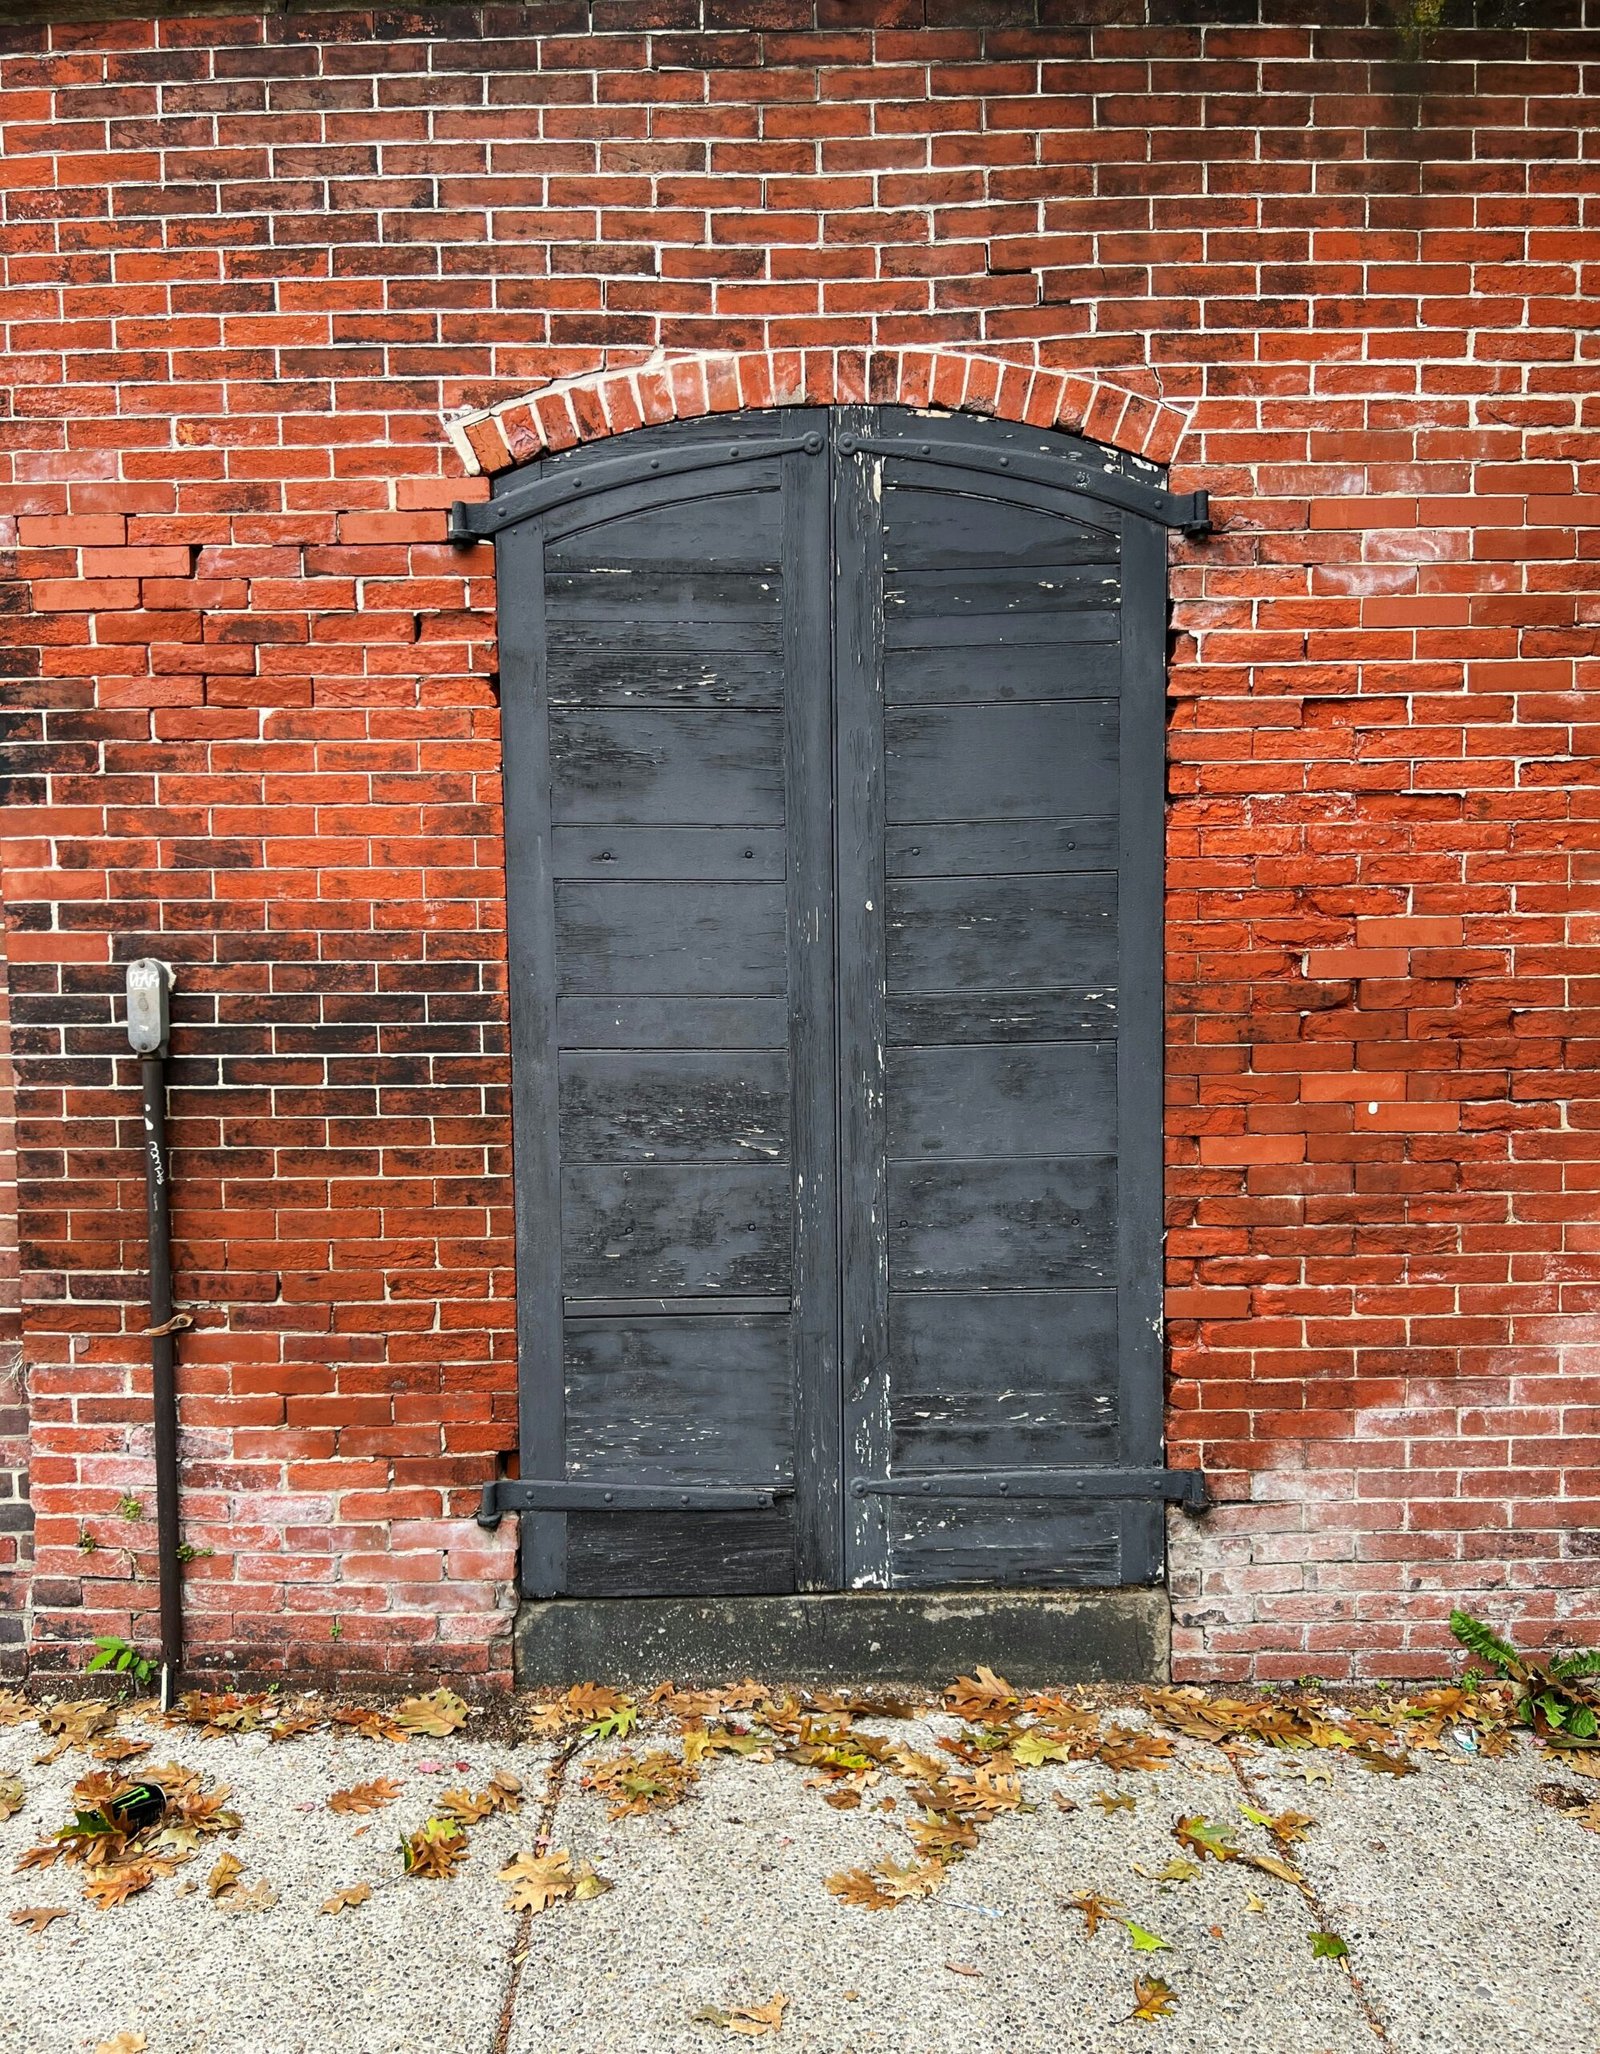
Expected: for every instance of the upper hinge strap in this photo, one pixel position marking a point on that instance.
(472, 520)
(1190, 511)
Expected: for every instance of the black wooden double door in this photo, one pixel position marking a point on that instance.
(834, 766)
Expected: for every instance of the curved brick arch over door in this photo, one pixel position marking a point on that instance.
(834, 750)
(686, 386)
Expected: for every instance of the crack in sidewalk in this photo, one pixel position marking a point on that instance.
(1308, 1890)
(555, 1781)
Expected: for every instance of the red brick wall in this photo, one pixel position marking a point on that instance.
(253, 265)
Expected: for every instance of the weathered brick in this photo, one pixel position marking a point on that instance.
(255, 731)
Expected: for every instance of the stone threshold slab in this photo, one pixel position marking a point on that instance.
(912, 1637)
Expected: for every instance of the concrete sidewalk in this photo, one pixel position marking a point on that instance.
(1470, 1906)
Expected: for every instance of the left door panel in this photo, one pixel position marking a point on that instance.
(666, 706)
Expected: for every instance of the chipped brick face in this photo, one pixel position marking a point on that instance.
(279, 289)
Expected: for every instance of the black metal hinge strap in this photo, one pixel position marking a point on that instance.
(472, 520)
(1190, 511)
(551, 1494)
(1185, 1487)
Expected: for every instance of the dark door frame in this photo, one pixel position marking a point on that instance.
(562, 493)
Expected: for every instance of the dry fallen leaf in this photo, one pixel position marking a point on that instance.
(12, 1796)
(346, 1899)
(113, 1748)
(1152, 1998)
(506, 1789)
(886, 1883)
(254, 1897)
(294, 1723)
(980, 1694)
(365, 1797)
(590, 1701)
(752, 2020)
(227, 1872)
(633, 1787)
(468, 1808)
(538, 1881)
(107, 1887)
(367, 1721)
(438, 1714)
(37, 1916)
(435, 1849)
(123, 2043)
(1094, 1908)
(963, 1968)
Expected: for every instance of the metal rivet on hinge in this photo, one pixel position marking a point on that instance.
(847, 445)
(610, 1497)
(813, 445)
(927, 449)
(655, 463)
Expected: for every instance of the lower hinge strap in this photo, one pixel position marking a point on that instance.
(552, 1494)
(1185, 1487)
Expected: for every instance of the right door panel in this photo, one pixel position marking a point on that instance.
(983, 797)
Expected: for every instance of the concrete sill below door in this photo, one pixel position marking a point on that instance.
(1034, 1638)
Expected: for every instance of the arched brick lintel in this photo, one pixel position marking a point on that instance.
(687, 386)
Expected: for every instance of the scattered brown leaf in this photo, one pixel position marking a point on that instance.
(886, 1883)
(112, 1747)
(225, 1875)
(436, 1849)
(437, 1714)
(466, 1807)
(74, 1724)
(122, 2043)
(1095, 1909)
(980, 1695)
(751, 2020)
(632, 1787)
(370, 1723)
(12, 1796)
(292, 1724)
(538, 1881)
(109, 1886)
(365, 1797)
(259, 1896)
(1152, 1999)
(507, 1790)
(36, 1917)
(346, 1899)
